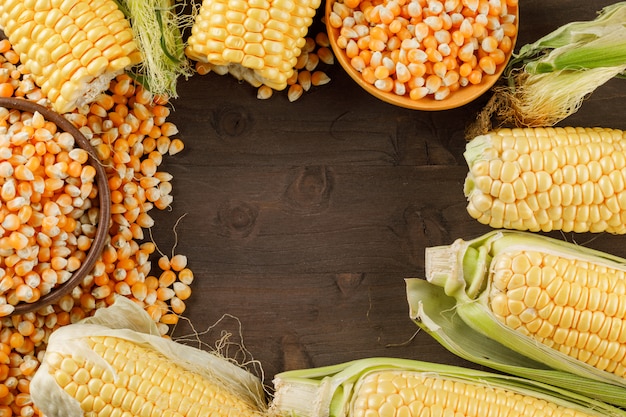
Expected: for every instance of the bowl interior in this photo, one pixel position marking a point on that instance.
(458, 98)
(104, 198)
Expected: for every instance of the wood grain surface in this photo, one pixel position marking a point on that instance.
(301, 220)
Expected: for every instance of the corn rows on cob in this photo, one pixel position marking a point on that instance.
(115, 365)
(572, 305)
(542, 179)
(72, 49)
(552, 301)
(414, 394)
(381, 387)
(256, 40)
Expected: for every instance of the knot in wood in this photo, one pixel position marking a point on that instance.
(310, 189)
(237, 219)
(231, 121)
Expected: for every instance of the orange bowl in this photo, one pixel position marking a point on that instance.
(457, 98)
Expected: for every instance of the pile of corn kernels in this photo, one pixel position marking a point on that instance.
(129, 130)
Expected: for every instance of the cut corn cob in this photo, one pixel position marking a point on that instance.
(72, 49)
(542, 179)
(256, 40)
(552, 301)
(380, 387)
(94, 370)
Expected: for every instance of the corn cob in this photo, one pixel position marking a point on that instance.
(72, 49)
(92, 369)
(551, 301)
(543, 179)
(381, 387)
(256, 40)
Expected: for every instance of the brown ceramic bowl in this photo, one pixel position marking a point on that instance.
(458, 98)
(104, 198)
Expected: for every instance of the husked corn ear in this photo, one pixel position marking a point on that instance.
(139, 381)
(407, 393)
(71, 48)
(543, 179)
(257, 40)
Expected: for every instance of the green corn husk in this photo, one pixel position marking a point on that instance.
(452, 305)
(331, 391)
(548, 80)
(158, 27)
(596, 43)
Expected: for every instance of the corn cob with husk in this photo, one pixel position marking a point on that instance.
(382, 387)
(544, 179)
(116, 364)
(258, 41)
(529, 305)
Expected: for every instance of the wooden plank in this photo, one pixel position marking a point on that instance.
(302, 219)
(320, 218)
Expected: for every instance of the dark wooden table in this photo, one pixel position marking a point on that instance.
(301, 220)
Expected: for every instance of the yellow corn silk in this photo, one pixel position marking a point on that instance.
(115, 363)
(544, 179)
(560, 305)
(380, 387)
(255, 40)
(71, 49)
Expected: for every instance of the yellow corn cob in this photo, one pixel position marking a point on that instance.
(391, 387)
(543, 179)
(71, 48)
(139, 381)
(407, 393)
(255, 40)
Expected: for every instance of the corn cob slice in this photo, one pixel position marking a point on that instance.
(380, 387)
(72, 49)
(256, 40)
(115, 365)
(551, 301)
(543, 179)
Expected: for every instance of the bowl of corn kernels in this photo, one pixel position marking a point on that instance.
(423, 54)
(55, 206)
